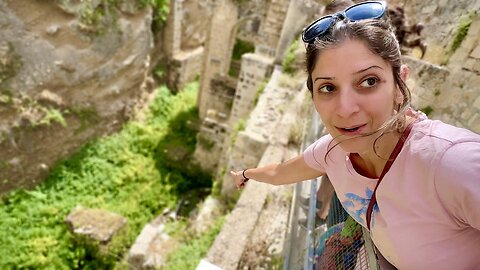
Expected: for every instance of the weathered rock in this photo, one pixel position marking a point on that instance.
(150, 248)
(101, 73)
(211, 208)
(100, 230)
(50, 98)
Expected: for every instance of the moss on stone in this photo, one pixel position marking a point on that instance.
(462, 31)
(10, 62)
(240, 48)
(427, 110)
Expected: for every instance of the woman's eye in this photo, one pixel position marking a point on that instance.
(326, 88)
(369, 82)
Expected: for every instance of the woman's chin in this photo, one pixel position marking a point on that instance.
(353, 145)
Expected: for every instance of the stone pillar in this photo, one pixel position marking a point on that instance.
(185, 67)
(272, 27)
(214, 129)
(218, 48)
(254, 71)
(295, 20)
(173, 29)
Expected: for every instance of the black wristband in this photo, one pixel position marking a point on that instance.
(245, 179)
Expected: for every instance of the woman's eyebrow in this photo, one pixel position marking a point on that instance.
(323, 78)
(365, 69)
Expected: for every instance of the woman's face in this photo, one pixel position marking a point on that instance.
(354, 92)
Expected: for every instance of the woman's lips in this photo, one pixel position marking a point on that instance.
(353, 130)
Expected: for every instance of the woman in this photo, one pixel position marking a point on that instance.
(424, 214)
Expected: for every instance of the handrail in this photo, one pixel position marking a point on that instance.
(292, 259)
(300, 245)
(315, 132)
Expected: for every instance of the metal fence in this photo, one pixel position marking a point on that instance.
(337, 242)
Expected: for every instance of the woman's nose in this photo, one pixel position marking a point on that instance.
(347, 103)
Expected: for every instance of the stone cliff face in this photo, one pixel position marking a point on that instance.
(69, 71)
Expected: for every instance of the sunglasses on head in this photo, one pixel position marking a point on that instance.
(357, 12)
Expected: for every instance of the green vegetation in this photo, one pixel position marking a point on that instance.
(205, 142)
(161, 8)
(289, 60)
(259, 92)
(6, 97)
(462, 31)
(239, 126)
(86, 115)
(240, 48)
(295, 135)
(136, 173)
(427, 110)
(98, 16)
(10, 62)
(52, 115)
(194, 248)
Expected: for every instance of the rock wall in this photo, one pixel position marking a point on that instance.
(183, 41)
(69, 75)
(451, 92)
(441, 21)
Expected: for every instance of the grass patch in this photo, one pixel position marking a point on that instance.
(10, 62)
(427, 110)
(161, 9)
(132, 173)
(462, 31)
(98, 16)
(52, 115)
(289, 60)
(193, 248)
(240, 48)
(259, 92)
(239, 126)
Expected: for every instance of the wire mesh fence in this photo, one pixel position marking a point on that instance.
(340, 243)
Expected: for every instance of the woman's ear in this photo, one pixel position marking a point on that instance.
(404, 73)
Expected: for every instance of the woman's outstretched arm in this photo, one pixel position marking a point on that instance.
(291, 171)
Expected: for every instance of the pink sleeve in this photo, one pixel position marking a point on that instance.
(457, 180)
(314, 155)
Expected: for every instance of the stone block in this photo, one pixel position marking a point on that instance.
(476, 104)
(429, 9)
(47, 97)
(469, 64)
(476, 52)
(476, 67)
(102, 232)
(144, 253)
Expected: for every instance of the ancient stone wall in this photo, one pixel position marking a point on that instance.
(218, 48)
(254, 71)
(68, 79)
(271, 28)
(184, 41)
(451, 93)
(214, 129)
(265, 125)
(441, 21)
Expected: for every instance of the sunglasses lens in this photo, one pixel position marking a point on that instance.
(371, 10)
(316, 29)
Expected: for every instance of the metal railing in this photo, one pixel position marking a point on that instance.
(302, 242)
